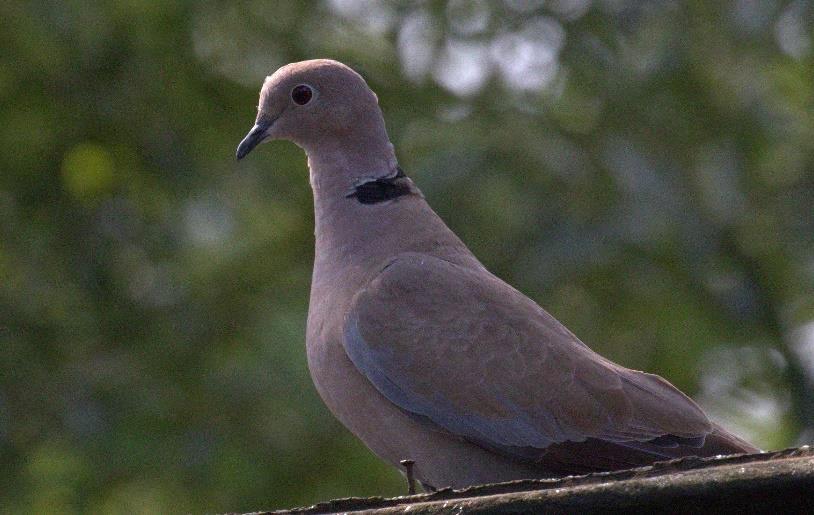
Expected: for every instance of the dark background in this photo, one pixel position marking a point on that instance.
(643, 170)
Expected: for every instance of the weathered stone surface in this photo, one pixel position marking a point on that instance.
(781, 482)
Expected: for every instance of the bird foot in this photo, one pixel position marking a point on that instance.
(408, 468)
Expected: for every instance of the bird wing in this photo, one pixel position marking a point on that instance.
(465, 350)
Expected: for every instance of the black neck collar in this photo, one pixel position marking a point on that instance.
(382, 189)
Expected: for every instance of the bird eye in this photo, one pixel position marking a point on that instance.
(301, 94)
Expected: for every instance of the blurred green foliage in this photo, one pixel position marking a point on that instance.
(642, 169)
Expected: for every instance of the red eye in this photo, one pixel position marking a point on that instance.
(301, 94)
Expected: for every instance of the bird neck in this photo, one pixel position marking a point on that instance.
(367, 211)
(338, 166)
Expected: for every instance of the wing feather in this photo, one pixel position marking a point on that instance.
(479, 359)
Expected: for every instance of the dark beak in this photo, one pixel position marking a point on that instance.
(253, 138)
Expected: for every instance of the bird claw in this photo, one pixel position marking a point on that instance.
(408, 467)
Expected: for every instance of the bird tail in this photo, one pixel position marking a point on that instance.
(721, 441)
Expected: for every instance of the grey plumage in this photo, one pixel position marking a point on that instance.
(424, 354)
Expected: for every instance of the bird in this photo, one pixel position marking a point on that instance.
(425, 355)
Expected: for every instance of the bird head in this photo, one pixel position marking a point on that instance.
(312, 103)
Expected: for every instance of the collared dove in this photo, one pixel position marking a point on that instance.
(424, 354)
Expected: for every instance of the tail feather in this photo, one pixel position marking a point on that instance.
(594, 455)
(721, 441)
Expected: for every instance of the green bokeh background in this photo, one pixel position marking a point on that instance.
(642, 169)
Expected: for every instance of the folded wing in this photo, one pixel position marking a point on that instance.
(477, 358)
